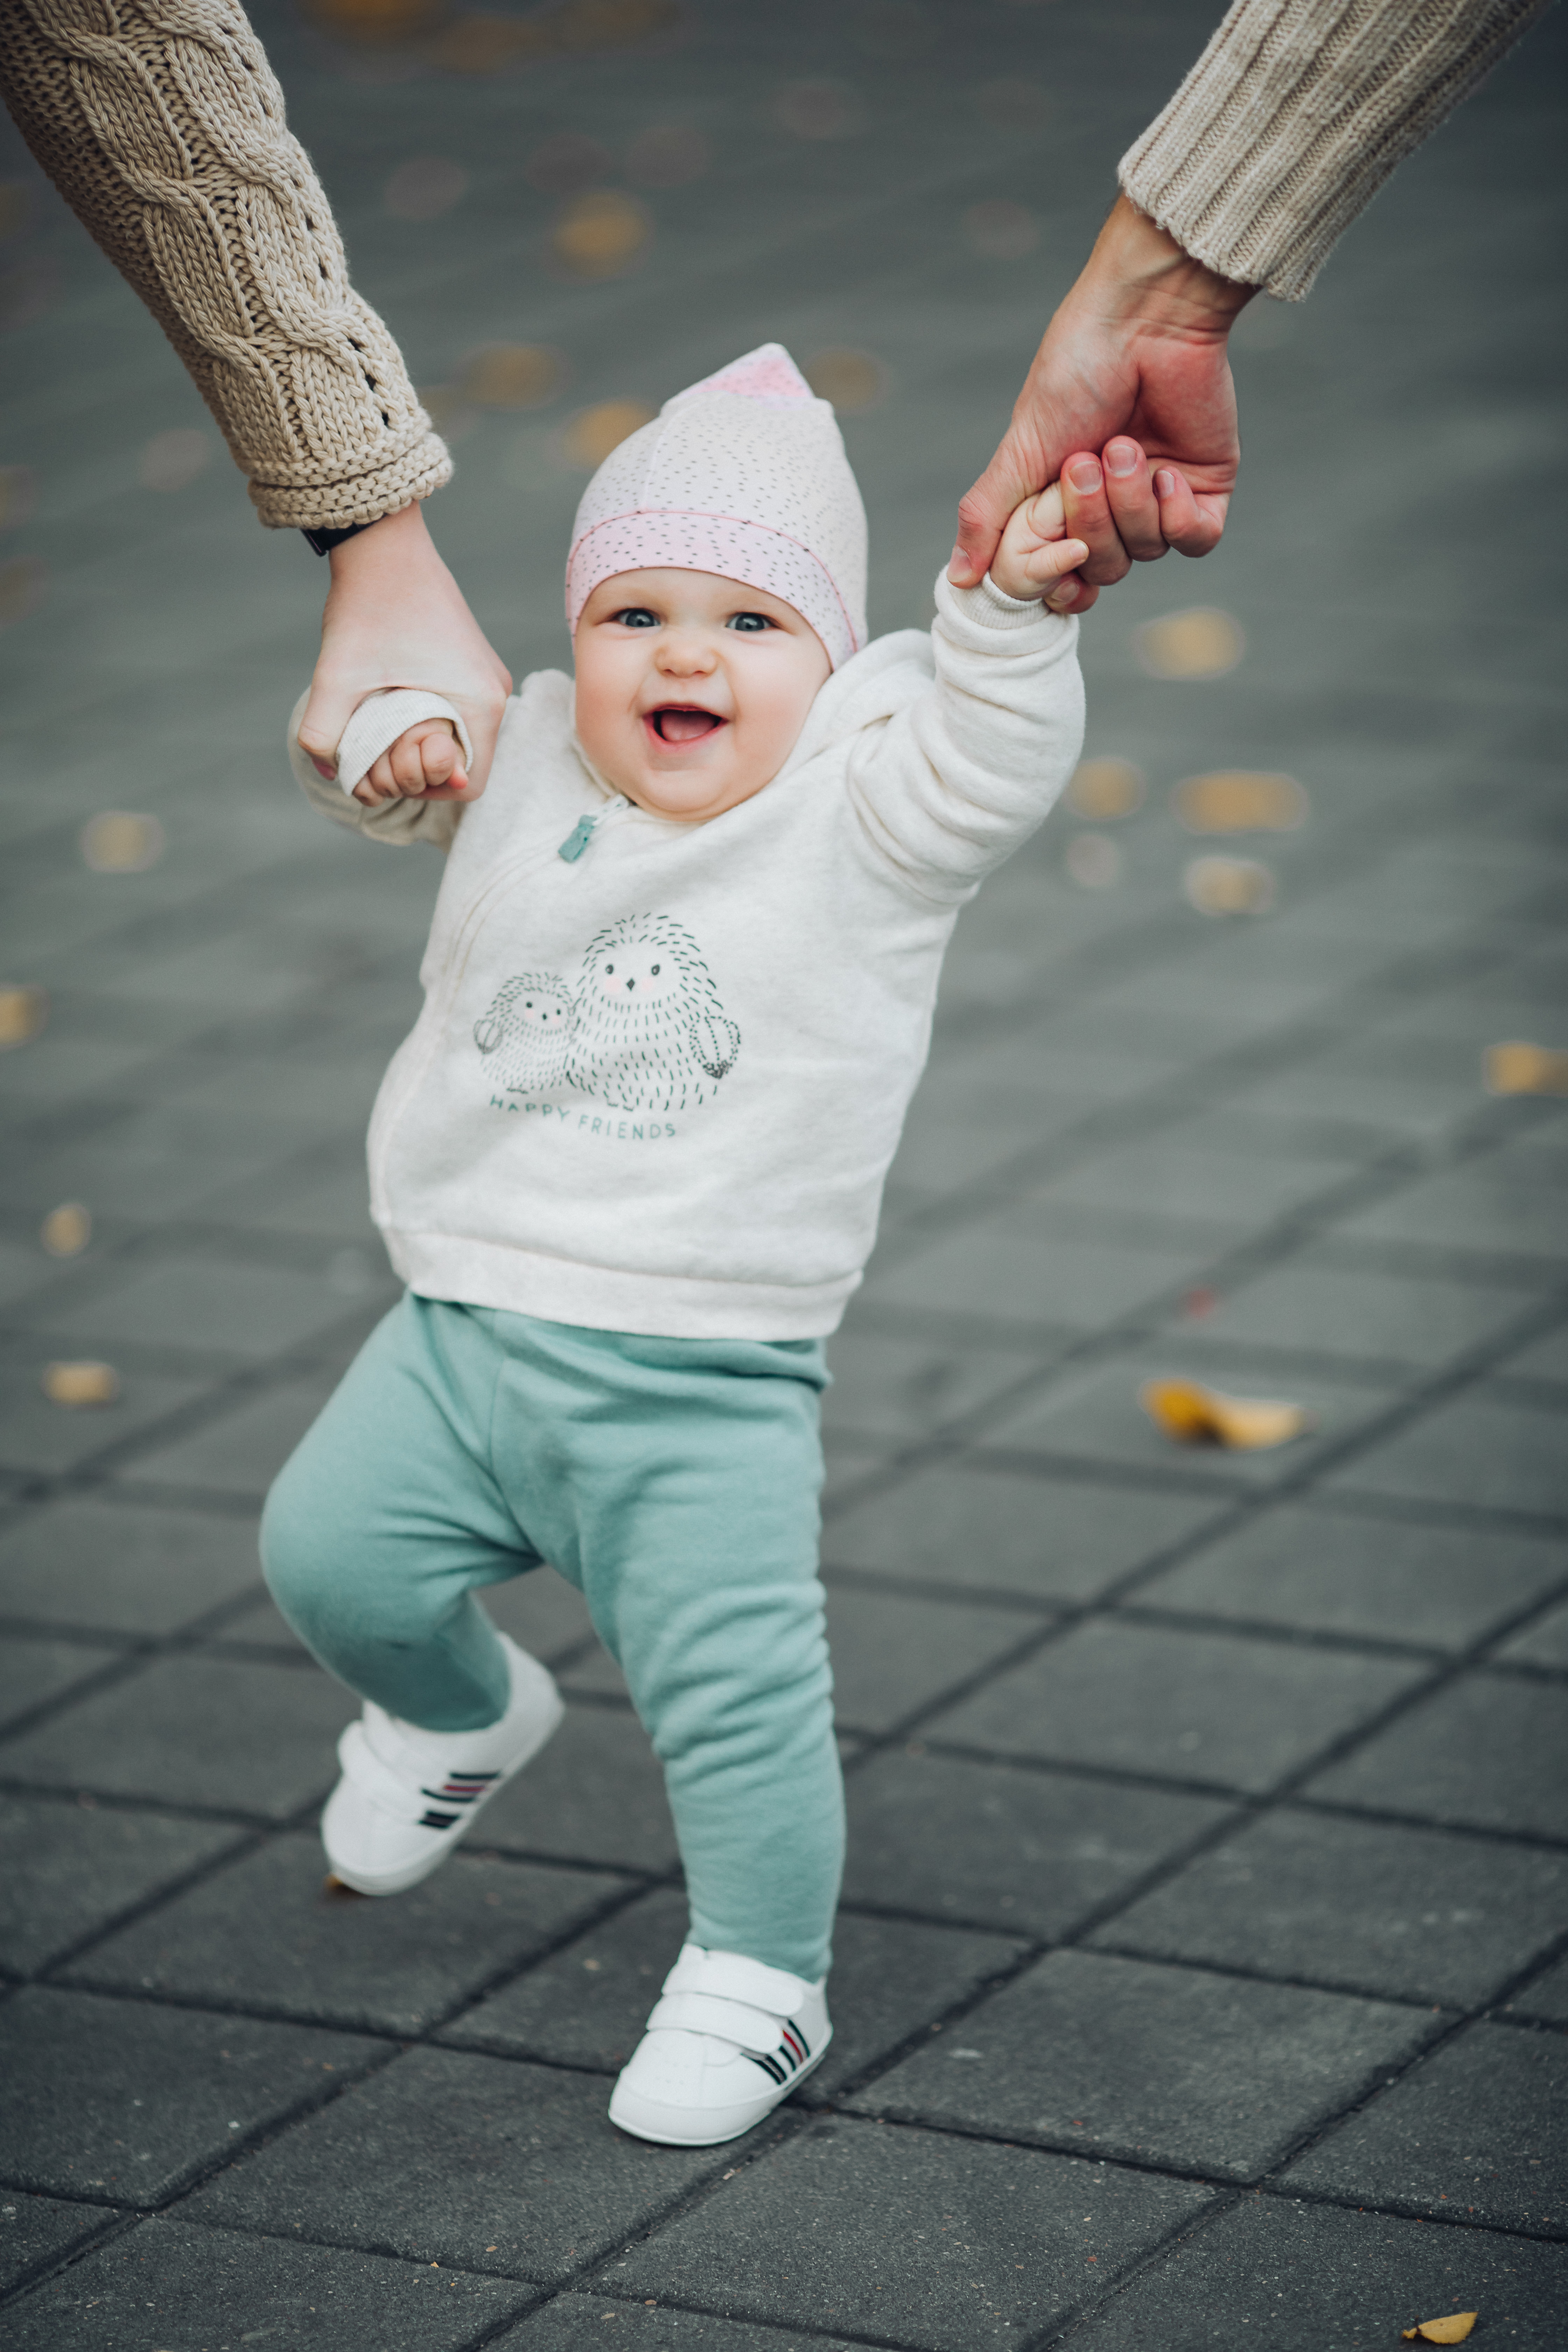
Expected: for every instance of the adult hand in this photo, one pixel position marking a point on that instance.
(1133, 363)
(396, 617)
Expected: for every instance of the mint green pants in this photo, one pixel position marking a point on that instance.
(676, 1483)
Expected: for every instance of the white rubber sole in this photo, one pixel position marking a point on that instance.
(651, 2119)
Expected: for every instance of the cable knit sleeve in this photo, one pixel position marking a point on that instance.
(162, 126)
(1295, 115)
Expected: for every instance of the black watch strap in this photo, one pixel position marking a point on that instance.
(324, 541)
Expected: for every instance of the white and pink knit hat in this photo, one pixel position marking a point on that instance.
(744, 474)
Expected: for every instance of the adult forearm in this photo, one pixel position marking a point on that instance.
(1294, 116)
(162, 126)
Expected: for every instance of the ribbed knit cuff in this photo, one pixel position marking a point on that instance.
(990, 607)
(363, 498)
(1294, 116)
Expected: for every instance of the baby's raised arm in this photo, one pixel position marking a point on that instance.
(1036, 553)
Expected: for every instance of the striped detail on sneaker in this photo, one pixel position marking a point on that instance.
(458, 1788)
(790, 2056)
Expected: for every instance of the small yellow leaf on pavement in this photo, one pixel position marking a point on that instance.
(1452, 2330)
(1195, 1415)
(80, 1383)
(1516, 1069)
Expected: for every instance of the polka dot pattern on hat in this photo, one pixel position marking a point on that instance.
(744, 475)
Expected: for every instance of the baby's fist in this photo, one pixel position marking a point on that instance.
(1036, 553)
(425, 764)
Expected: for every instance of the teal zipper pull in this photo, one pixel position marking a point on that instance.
(582, 832)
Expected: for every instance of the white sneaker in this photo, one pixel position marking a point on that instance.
(726, 2042)
(407, 1796)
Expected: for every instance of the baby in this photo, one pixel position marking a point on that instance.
(679, 990)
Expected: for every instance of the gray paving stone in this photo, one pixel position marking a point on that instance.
(1472, 1207)
(1217, 1708)
(1150, 2064)
(1030, 1852)
(572, 2322)
(67, 1870)
(1483, 1450)
(1334, 1573)
(1544, 1644)
(905, 2239)
(1004, 1531)
(596, 1795)
(896, 1652)
(37, 2231)
(1546, 1999)
(1543, 1359)
(1422, 1914)
(903, 1388)
(33, 1672)
(193, 1301)
(1300, 2277)
(1010, 1271)
(1478, 2132)
(541, 1611)
(170, 2283)
(264, 1935)
(1185, 1177)
(1489, 1752)
(238, 1452)
(1316, 1306)
(35, 1434)
(87, 1563)
(136, 2100)
(449, 2156)
(585, 2005)
(199, 1730)
(1096, 1417)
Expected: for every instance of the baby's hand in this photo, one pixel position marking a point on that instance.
(425, 764)
(1036, 553)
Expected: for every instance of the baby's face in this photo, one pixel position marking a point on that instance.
(692, 690)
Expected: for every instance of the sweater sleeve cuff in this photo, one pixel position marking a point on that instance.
(378, 722)
(1293, 117)
(986, 607)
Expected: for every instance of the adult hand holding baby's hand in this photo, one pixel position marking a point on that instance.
(1129, 400)
(425, 764)
(396, 617)
(1035, 557)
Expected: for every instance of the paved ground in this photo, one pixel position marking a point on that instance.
(1201, 1977)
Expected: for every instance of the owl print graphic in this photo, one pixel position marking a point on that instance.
(643, 1029)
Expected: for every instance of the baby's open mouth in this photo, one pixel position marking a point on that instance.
(684, 725)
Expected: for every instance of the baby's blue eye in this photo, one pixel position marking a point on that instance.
(636, 616)
(750, 625)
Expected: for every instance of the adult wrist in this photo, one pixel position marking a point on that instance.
(1138, 268)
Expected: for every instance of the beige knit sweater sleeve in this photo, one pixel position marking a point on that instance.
(1294, 116)
(161, 125)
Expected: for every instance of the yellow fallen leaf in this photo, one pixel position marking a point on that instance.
(67, 1231)
(1516, 1069)
(80, 1383)
(592, 433)
(1229, 885)
(1199, 643)
(1452, 2330)
(1240, 800)
(1105, 789)
(23, 1013)
(1195, 1415)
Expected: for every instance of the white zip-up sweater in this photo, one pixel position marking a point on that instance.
(657, 1085)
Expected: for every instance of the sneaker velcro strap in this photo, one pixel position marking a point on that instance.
(706, 2012)
(733, 1976)
(376, 1780)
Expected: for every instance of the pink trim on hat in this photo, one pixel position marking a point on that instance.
(751, 553)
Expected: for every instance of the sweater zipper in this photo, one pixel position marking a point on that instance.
(582, 832)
